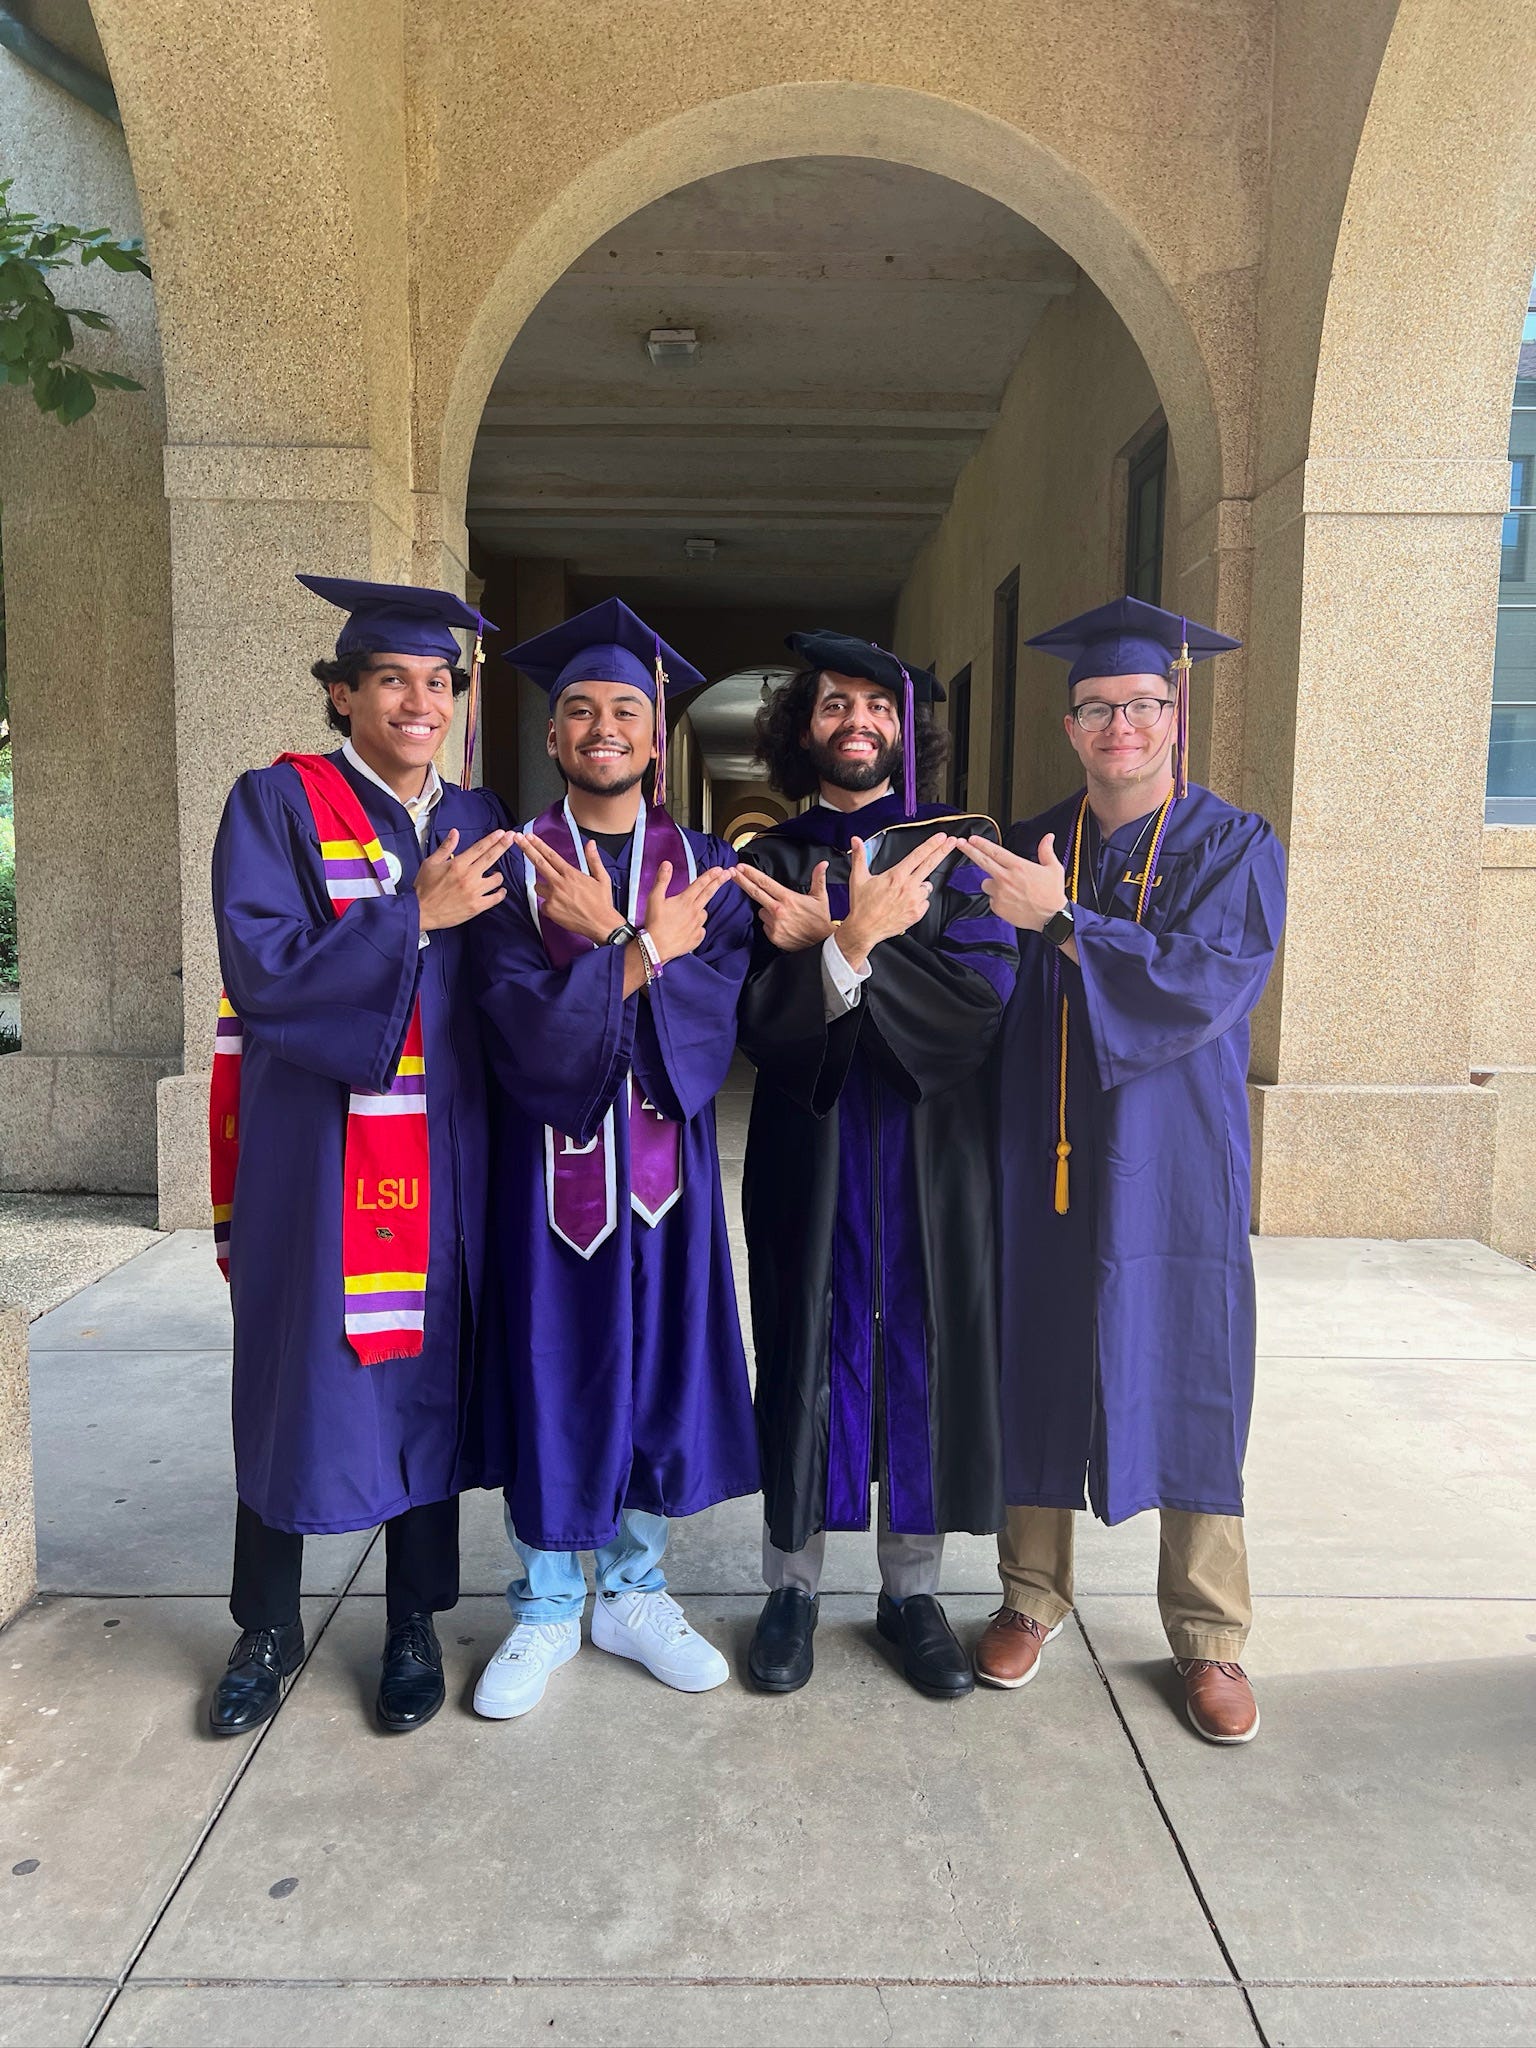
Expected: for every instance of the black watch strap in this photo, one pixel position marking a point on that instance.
(1058, 929)
(621, 935)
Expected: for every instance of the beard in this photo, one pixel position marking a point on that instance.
(855, 775)
(596, 785)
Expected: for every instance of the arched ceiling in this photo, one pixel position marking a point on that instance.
(857, 322)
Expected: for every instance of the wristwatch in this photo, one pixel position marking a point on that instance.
(621, 935)
(1058, 929)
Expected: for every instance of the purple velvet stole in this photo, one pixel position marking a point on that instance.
(580, 1181)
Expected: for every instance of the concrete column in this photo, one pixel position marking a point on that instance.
(87, 573)
(18, 1540)
(541, 603)
(1366, 742)
(243, 521)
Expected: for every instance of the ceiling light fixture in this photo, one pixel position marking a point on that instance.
(672, 348)
(700, 550)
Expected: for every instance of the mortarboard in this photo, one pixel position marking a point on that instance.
(843, 655)
(1129, 637)
(399, 618)
(609, 644)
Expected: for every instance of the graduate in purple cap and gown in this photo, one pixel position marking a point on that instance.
(349, 1142)
(876, 990)
(615, 1393)
(1149, 912)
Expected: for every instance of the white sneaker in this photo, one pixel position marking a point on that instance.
(513, 1682)
(652, 1629)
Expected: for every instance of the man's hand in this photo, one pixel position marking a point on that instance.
(885, 905)
(580, 903)
(675, 924)
(793, 919)
(1028, 893)
(452, 887)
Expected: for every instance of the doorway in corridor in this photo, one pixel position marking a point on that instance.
(749, 408)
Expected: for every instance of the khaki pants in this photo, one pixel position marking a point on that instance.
(1202, 1577)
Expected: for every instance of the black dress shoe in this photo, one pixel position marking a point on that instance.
(411, 1683)
(782, 1655)
(251, 1690)
(931, 1656)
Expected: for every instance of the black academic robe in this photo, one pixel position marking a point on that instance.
(870, 1199)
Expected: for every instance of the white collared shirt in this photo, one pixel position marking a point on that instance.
(842, 986)
(417, 808)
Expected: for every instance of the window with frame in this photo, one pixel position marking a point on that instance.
(1005, 679)
(960, 740)
(1145, 507)
(1511, 798)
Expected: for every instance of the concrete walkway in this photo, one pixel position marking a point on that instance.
(853, 1864)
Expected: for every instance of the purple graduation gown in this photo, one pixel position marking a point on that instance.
(870, 1199)
(1129, 1322)
(619, 1380)
(323, 1442)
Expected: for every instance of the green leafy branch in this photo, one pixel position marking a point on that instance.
(37, 334)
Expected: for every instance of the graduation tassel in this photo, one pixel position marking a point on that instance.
(472, 704)
(908, 746)
(1063, 1143)
(1182, 667)
(660, 791)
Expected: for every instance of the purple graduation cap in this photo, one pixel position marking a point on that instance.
(610, 644)
(842, 654)
(1129, 637)
(399, 618)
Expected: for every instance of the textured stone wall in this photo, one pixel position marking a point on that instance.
(87, 573)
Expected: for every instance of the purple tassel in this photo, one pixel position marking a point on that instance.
(909, 747)
(660, 791)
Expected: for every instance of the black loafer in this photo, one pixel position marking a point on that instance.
(251, 1690)
(782, 1655)
(931, 1656)
(411, 1682)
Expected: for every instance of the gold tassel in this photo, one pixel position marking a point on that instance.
(1062, 1203)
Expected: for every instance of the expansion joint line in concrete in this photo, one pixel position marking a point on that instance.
(1173, 1834)
(311, 1644)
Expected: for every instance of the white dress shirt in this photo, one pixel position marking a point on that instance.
(417, 808)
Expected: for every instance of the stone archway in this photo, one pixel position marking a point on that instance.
(1375, 573)
(918, 129)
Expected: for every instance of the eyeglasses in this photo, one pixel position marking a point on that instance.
(1141, 714)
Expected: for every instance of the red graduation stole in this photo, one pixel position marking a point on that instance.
(580, 1182)
(386, 1198)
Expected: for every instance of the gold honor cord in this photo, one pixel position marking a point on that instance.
(1147, 883)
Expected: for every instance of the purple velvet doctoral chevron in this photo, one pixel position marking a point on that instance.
(1128, 1322)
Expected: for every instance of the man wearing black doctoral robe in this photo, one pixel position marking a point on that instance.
(877, 986)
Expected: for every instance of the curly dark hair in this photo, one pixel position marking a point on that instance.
(785, 719)
(347, 668)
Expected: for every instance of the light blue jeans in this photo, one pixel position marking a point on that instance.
(552, 1587)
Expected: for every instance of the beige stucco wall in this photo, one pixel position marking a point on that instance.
(1044, 494)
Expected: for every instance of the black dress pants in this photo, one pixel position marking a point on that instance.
(421, 1566)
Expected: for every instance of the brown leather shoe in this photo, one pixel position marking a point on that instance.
(1009, 1651)
(1219, 1700)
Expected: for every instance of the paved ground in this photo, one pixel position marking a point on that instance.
(854, 1864)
